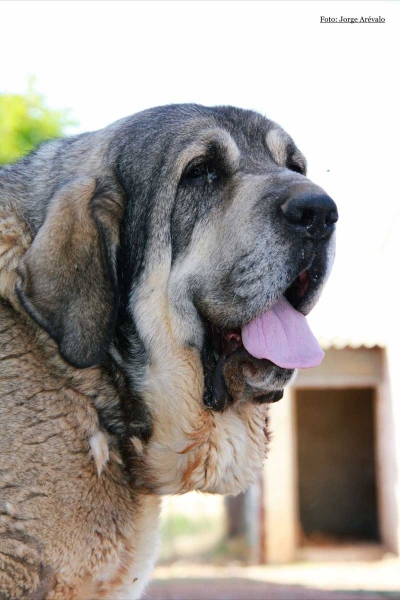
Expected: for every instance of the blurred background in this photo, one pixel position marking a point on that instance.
(323, 521)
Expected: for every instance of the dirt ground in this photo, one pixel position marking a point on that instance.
(372, 580)
(245, 589)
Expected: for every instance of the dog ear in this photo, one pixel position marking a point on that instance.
(67, 278)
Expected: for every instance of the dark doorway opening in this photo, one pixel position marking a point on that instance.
(336, 464)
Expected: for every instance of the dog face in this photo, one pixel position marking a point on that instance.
(202, 222)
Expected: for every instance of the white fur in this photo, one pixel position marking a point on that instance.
(99, 450)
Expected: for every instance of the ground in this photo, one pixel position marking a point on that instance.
(350, 580)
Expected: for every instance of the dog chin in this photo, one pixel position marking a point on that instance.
(251, 379)
(233, 376)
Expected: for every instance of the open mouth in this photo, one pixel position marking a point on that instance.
(296, 292)
(256, 361)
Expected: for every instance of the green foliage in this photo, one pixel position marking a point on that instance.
(25, 122)
(183, 525)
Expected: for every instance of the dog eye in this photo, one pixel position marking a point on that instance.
(294, 166)
(202, 171)
(197, 171)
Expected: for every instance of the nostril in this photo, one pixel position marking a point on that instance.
(307, 217)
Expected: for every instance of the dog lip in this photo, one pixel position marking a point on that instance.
(225, 340)
(251, 379)
(228, 365)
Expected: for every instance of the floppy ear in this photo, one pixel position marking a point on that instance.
(67, 279)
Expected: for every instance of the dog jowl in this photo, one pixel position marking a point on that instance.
(154, 278)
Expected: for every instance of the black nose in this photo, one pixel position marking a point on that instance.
(312, 214)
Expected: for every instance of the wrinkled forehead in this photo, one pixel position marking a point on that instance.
(242, 138)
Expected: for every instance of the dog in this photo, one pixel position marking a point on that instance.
(154, 278)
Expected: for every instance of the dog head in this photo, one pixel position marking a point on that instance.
(185, 233)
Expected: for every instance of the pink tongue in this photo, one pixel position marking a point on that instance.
(282, 335)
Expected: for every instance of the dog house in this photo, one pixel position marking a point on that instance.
(331, 477)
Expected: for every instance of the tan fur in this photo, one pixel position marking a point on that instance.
(277, 144)
(15, 239)
(55, 461)
(191, 447)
